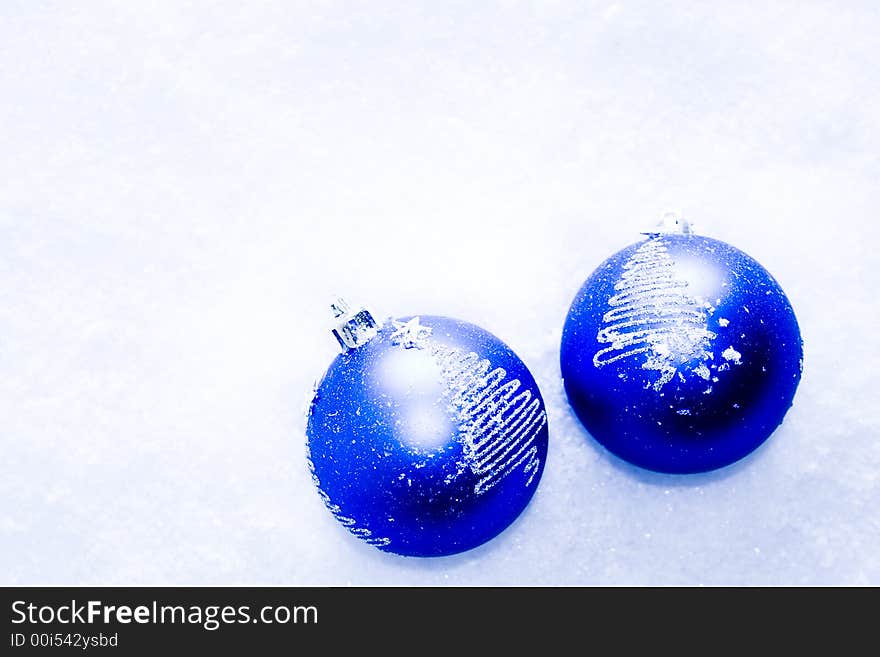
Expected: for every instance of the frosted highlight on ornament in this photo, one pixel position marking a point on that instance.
(415, 375)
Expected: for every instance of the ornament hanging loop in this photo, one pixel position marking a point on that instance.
(352, 328)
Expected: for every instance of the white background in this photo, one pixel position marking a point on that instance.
(183, 186)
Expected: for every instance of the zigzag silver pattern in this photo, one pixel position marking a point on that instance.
(349, 523)
(498, 426)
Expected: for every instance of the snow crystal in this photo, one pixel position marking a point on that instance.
(732, 354)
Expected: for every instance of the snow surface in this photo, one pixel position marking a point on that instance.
(184, 186)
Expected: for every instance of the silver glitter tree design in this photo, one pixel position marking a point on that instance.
(498, 423)
(652, 314)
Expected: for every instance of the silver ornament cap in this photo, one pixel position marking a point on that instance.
(671, 223)
(352, 328)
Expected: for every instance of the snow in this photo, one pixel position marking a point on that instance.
(184, 187)
(732, 354)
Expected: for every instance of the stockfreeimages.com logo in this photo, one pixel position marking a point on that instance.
(210, 617)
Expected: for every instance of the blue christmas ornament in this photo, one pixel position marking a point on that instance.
(427, 436)
(680, 353)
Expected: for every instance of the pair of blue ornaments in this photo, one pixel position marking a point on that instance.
(427, 436)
